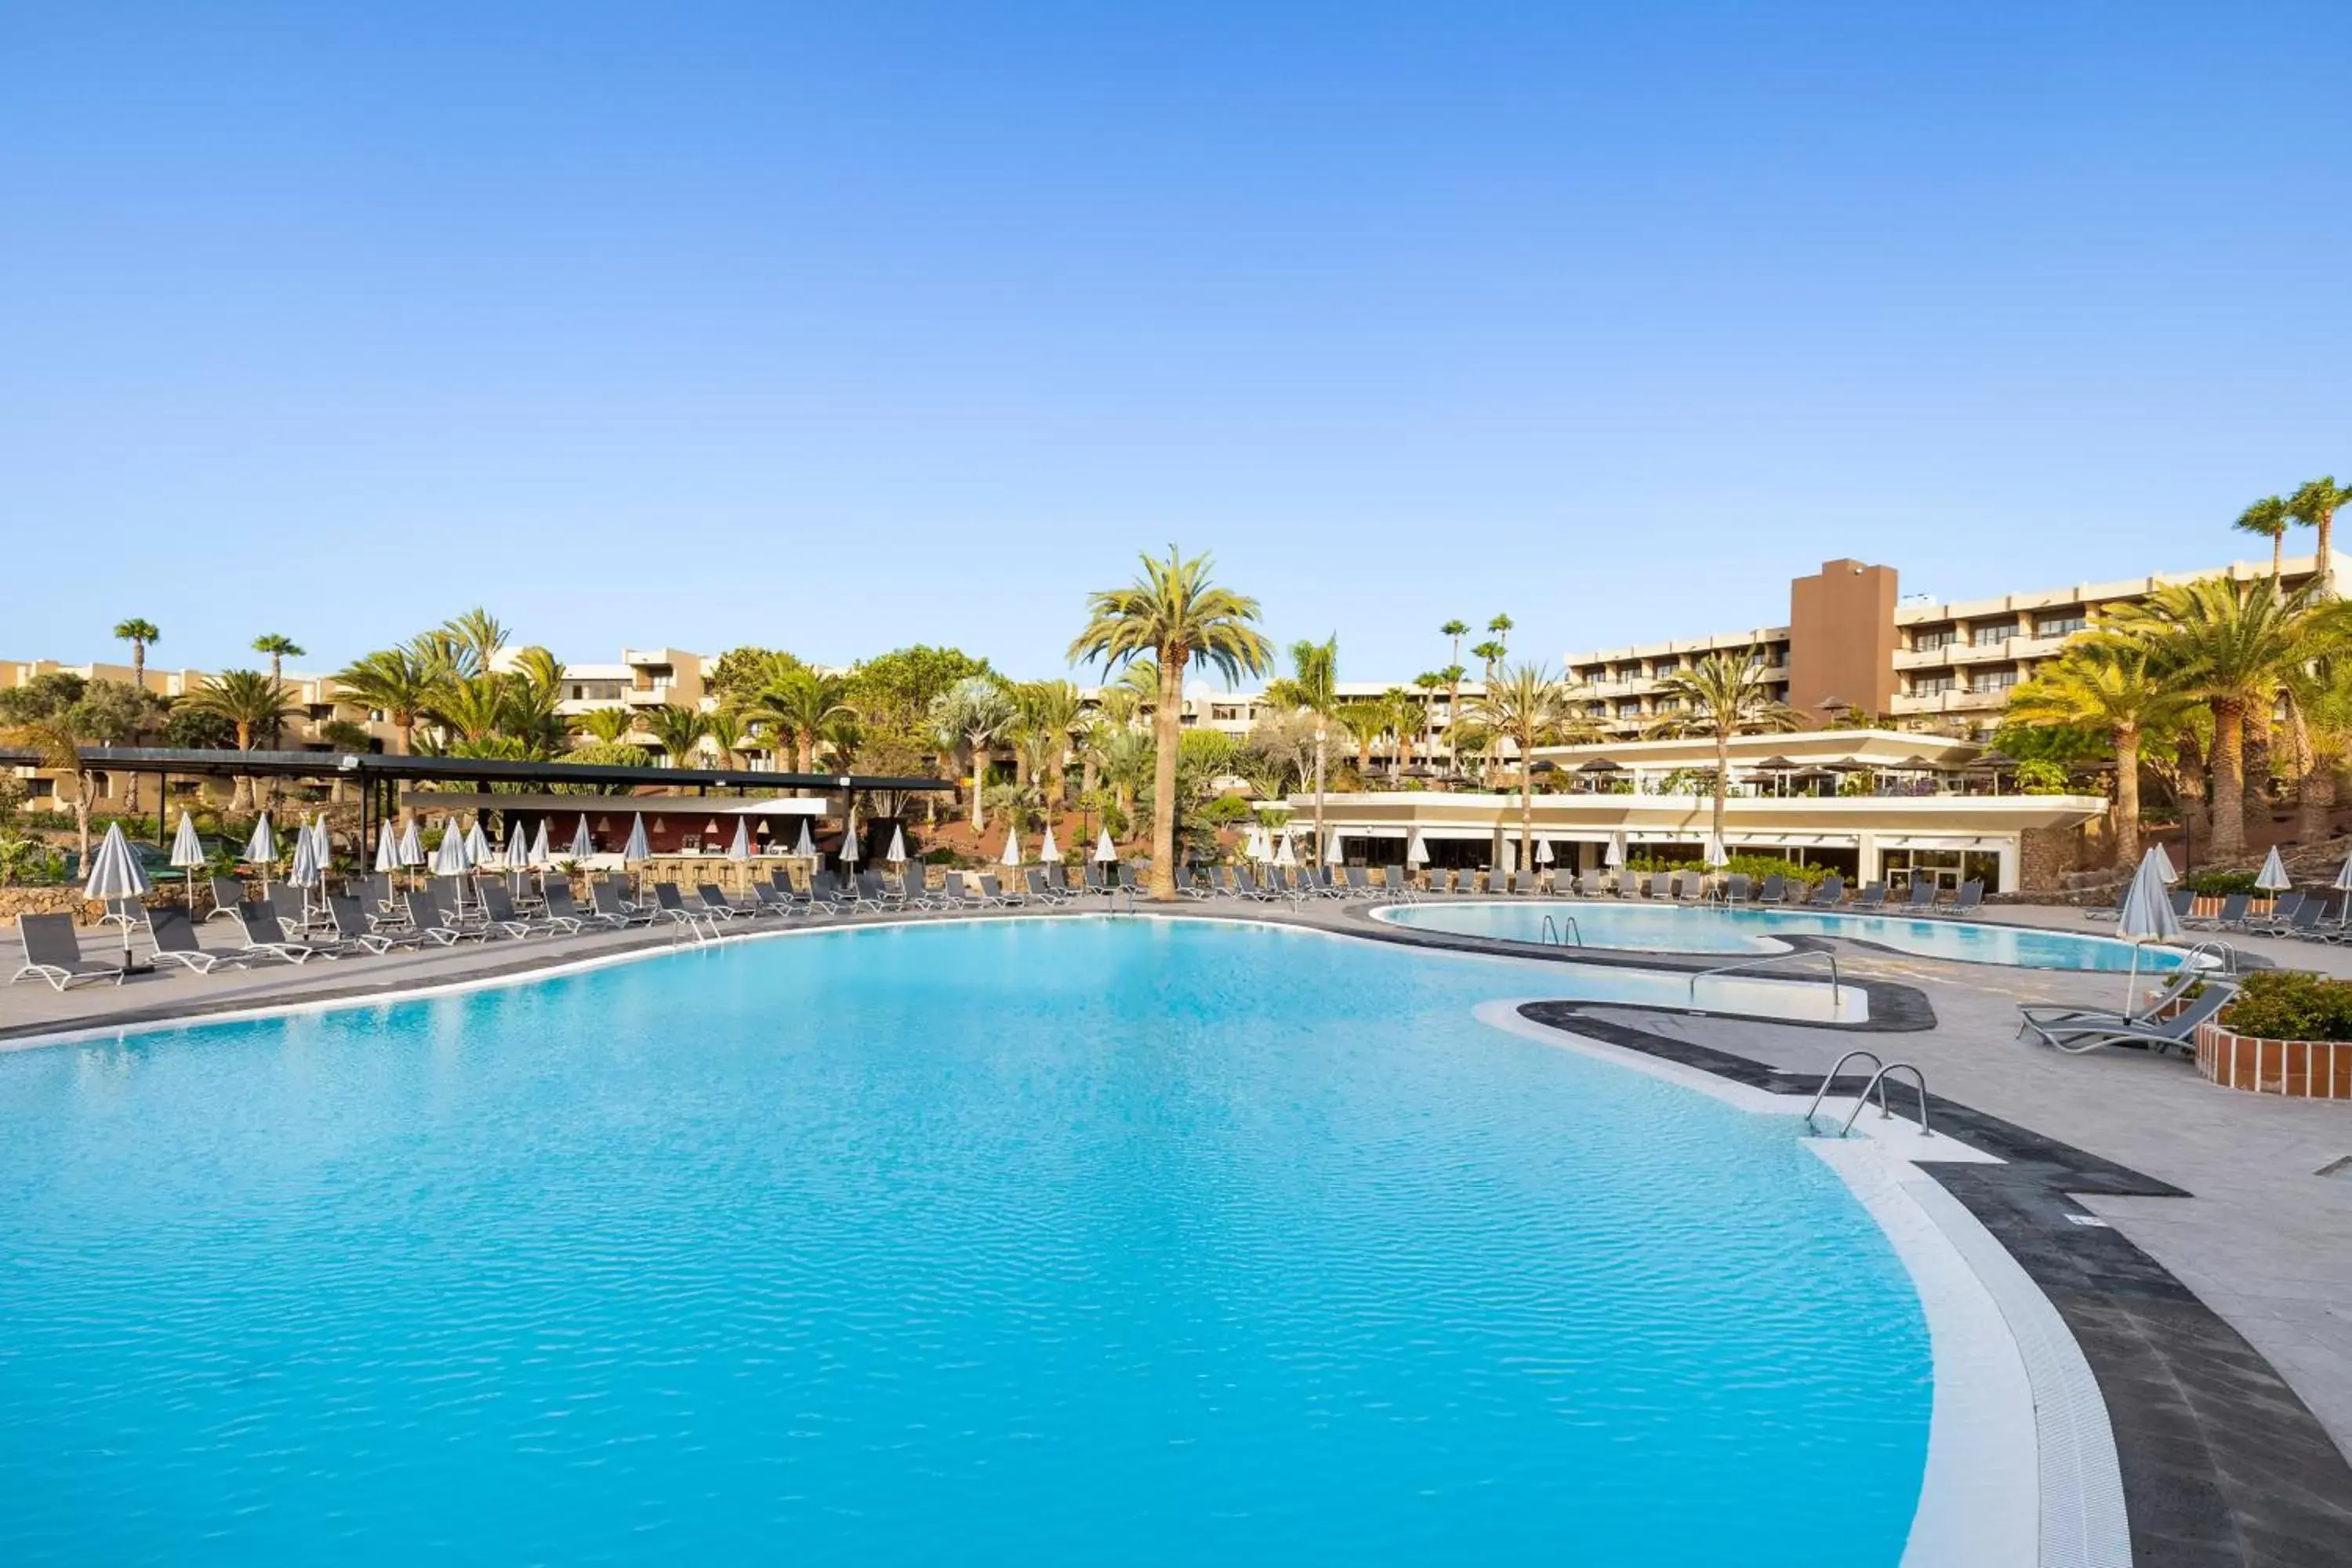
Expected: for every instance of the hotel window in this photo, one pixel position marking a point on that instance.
(1993, 680)
(1990, 637)
(1931, 685)
(2062, 624)
(1948, 869)
(1928, 642)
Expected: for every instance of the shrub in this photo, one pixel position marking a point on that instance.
(2291, 1004)
(2219, 884)
(2039, 777)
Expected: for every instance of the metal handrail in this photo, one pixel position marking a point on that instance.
(1878, 1068)
(1772, 958)
(1877, 1082)
(1553, 937)
(2228, 954)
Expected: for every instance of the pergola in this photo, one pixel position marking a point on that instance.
(379, 776)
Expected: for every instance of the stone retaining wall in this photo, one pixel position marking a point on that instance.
(15, 901)
(2299, 1069)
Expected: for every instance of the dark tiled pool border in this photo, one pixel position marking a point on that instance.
(2222, 1462)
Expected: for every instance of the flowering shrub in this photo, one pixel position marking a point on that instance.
(2290, 1005)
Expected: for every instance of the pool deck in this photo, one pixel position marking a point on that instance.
(2263, 1238)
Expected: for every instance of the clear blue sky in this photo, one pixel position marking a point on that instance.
(841, 327)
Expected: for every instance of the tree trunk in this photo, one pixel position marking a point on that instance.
(2254, 753)
(2315, 813)
(979, 780)
(2126, 797)
(2323, 566)
(2189, 773)
(1527, 806)
(1722, 783)
(1320, 842)
(1166, 723)
(1087, 779)
(2228, 779)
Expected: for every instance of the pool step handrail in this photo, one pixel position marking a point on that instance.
(1553, 936)
(2213, 947)
(1877, 1068)
(1878, 1082)
(1772, 958)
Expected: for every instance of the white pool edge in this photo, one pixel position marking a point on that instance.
(2021, 1466)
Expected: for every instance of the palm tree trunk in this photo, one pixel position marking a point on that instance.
(1526, 804)
(2126, 797)
(2229, 778)
(979, 779)
(1319, 841)
(2278, 549)
(2315, 786)
(2189, 773)
(1165, 723)
(2322, 567)
(1722, 781)
(2254, 753)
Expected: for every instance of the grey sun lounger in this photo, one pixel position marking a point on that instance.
(1775, 887)
(2058, 1016)
(53, 952)
(1041, 891)
(2231, 916)
(175, 936)
(614, 910)
(564, 912)
(1922, 897)
(427, 920)
(992, 893)
(2177, 1032)
(1831, 892)
(353, 929)
(499, 913)
(265, 937)
(715, 901)
(1736, 887)
(227, 892)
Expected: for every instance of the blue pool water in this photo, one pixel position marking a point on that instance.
(1671, 928)
(1084, 1241)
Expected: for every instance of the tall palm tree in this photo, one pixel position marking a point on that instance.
(677, 730)
(1531, 707)
(396, 682)
(251, 703)
(1428, 683)
(722, 733)
(1453, 631)
(140, 633)
(800, 703)
(2314, 506)
(2228, 645)
(2116, 687)
(1312, 688)
(1175, 614)
(975, 714)
(279, 647)
(2267, 518)
(1052, 708)
(1365, 721)
(1723, 695)
(1490, 653)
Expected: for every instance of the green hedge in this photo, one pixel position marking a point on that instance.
(2291, 1004)
(2218, 884)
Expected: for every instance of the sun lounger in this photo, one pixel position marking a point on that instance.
(53, 952)
(1775, 887)
(2057, 1016)
(565, 913)
(2177, 1032)
(1922, 897)
(227, 892)
(610, 907)
(1831, 892)
(175, 936)
(2183, 901)
(2311, 924)
(1041, 891)
(266, 937)
(499, 913)
(353, 929)
(718, 906)
(2231, 916)
(991, 891)
(911, 884)
(429, 921)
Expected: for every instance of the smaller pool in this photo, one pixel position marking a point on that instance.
(1674, 927)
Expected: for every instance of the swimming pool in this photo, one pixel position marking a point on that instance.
(1073, 1240)
(1672, 927)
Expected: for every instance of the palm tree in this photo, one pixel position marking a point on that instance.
(57, 741)
(724, 732)
(1532, 708)
(1312, 688)
(975, 714)
(801, 703)
(2116, 687)
(1491, 653)
(1453, 631)
(1172, 612)
(395, 682)
(139, 633)
(1365, 721)
(609, 725)
(1427, 683)
(677, 730)
(2267, 518)
(1051, 709)
(279, 647)
(1723, 695)
(252, 702)
(1401, 714)
(2228, 645)
(2314, 506)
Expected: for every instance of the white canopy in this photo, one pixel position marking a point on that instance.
(261, 849)
(187, 849)
(1105, 852)
(452, 857)
(2164, 864)
(898, 855)
(412, 844)
(636, 848)
(1011, 855)
(2273, 878)
(1416, 852)
(2147, 913)
(114, 871)
(1049, 853)
(387, 848)
(583, 844)
(741, 849)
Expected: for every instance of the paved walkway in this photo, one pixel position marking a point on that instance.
(2265, 1237)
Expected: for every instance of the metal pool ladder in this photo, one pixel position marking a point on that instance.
(1775, 958)
(1878, 1082)
(1554, 936)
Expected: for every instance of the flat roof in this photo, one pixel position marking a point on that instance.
(455, 770)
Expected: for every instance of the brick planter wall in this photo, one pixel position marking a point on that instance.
(2299, 1069)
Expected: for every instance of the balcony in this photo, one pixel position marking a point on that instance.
(1951, 702)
